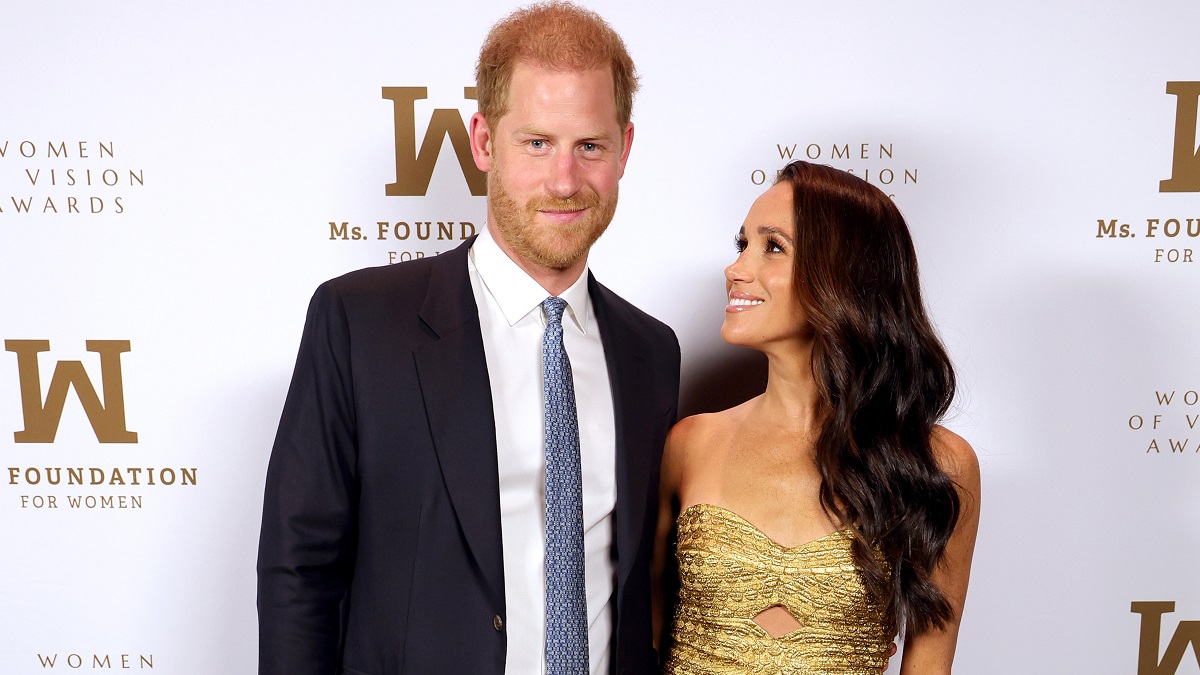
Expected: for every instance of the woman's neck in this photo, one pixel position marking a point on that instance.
(791, 396)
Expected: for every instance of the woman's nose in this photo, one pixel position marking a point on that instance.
(738, 271)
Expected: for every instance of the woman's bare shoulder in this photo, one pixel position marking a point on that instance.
(684, 439)
(688, 429)
(693, 438)
(703, 428)
(956, 457)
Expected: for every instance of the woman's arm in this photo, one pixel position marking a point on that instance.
(932, 653)
(663, 575)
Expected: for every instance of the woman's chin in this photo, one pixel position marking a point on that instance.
(736, 337)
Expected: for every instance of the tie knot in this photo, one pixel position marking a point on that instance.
(554, 308)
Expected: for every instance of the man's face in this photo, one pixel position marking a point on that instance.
(553, 163)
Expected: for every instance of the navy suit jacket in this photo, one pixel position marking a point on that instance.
(380, 549)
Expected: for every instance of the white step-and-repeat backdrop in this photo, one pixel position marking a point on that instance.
(176, 178)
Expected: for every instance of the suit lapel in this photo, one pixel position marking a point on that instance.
(454, 382)
(458, 403)
(624, 352)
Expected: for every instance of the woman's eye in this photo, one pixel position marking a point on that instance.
(774, 246)
(739, 243)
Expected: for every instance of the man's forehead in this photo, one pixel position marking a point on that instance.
(539, 90)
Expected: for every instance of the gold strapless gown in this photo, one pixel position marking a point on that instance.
(729, 571)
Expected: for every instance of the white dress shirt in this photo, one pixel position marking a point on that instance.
(512, 322)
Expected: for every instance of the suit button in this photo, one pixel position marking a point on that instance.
(498, 622)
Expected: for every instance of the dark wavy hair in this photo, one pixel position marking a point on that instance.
(884, 380)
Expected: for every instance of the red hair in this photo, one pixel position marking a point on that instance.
(558, 36)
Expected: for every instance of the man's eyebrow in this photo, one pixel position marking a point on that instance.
(536, 131)
(531, 131)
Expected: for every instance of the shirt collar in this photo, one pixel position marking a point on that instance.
(516, 293)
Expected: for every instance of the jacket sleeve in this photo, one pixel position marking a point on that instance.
(308, 536)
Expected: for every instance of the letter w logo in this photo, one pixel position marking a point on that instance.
(1185, 167)
(415, 169)
(1188, 633)
(41, 419)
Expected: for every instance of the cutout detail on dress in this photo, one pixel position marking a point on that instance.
(776, 620)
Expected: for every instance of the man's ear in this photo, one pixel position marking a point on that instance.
(481, 142)
(626, 144)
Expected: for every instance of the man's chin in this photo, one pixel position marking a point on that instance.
(548, 245)
(555, 258)
(560, 247)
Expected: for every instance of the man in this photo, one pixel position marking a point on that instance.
(465, 473)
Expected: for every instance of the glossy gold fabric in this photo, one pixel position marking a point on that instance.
(729, 571)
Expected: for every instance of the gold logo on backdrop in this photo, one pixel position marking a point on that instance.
(42, 418)
(415, 169)
(1187, 633)
(1185, 164)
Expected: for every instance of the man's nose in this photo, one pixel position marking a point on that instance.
(564, 180)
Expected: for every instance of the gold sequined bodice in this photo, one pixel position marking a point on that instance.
(729, 571)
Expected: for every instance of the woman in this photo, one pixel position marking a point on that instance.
(816, 520)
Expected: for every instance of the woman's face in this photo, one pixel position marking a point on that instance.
(762, 309)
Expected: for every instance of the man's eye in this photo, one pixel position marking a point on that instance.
(537, 144)
(590, 147)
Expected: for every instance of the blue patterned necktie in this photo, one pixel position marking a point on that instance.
(566, 599)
